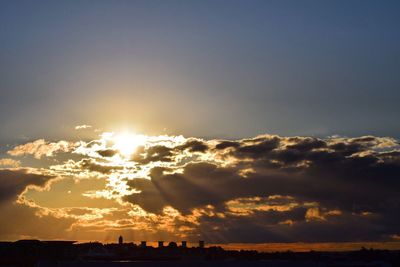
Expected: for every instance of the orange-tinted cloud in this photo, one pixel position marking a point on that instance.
(263, 189)
(40, 148)
(7, 162)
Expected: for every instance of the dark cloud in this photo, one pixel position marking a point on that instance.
(107, 152)
(356, 177)
(263, 189)
(200, 184)
(13, 182)
(182, 191)
(148, 191)
(259, 149)
(226, 144)
(262, 227)
(18, 220)
(194, 146)
(305, 143)
(94, 166)
(154, 153)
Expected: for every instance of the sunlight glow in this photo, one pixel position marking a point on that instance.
(126, 143)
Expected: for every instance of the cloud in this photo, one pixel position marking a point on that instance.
(194, 146)
(268, 188)
(93, 166)
(152, 154)
(14, 181)
(107, 152)
(83, 127)
(40, 148)
(9, 162)
(22, 221)
(342, 177)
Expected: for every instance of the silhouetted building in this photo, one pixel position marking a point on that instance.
(29, 253)
(120, 240)
(172, 245)
(160, 244)
(201, 244)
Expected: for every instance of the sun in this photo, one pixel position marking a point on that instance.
(126, 143)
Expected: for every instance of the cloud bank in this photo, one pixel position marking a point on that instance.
(264, 189)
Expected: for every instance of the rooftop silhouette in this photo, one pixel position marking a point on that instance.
(71, 253)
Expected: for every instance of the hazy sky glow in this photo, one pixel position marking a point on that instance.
(228, 121)
(203, 68)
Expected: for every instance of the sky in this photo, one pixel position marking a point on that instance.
(204, 68)
(230, 121)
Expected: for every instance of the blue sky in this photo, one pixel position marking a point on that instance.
(200, 68)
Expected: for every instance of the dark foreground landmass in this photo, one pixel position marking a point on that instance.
(31, 253)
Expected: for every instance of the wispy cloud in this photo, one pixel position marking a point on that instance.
(7, 162)
(40, 148)
(82, 127)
